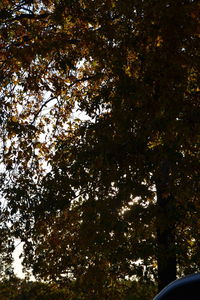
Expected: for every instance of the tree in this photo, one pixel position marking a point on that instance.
(120, 197)
(18, 289)
(6, 243)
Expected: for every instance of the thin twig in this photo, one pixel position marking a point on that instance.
(41, 108)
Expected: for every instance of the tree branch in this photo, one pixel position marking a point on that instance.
(41, 108)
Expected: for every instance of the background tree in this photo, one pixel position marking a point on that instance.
(120, 197)
(20, 289)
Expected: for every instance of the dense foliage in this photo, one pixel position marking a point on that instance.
(99, 140)
(18, 289)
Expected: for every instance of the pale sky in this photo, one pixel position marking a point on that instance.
(17, 261)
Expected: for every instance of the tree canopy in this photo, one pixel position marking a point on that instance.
(99, 140)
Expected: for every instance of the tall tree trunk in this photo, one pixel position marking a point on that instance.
(166, 254)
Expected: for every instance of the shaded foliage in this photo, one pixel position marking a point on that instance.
(19, 289)
(114, 194)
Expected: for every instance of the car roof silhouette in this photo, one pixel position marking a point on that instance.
(186, 288)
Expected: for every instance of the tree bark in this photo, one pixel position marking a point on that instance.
(166, 254)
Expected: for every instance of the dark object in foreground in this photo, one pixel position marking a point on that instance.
(187, 288)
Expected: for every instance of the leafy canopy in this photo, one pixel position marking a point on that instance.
(82, 192)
